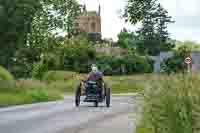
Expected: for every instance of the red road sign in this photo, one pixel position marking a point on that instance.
(188, 60)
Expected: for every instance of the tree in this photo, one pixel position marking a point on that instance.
(67, 11)
(77, 54)
(153, 35)
(162, 19)
(128, 40)
(176, 63)
(15, 19)
(48, 18)
(134, 11)
(191, 44)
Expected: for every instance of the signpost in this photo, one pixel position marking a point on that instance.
(188, 61)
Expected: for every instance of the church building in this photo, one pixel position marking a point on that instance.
(89, 22)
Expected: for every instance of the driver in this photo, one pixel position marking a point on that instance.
(95, 75)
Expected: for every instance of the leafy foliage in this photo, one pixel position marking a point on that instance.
(28, 29)
(78, 54)
(153, 35)
(39, 70)
(127, 64)
(15, 18)
(176, 63)
(5, 75)
(127, 39)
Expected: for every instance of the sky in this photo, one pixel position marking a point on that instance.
(185, 13)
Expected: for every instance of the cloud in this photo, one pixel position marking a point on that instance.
(187, 19)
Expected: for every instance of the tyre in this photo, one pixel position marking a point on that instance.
(77, 96)
(96, 104)
(108, 97)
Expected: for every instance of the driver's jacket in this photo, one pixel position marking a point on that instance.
(97, 77)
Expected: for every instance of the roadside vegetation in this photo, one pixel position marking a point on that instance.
(67, 81)
(26, 92)
(171, 104)
(17, 92)
(55, 84)
(38, 65)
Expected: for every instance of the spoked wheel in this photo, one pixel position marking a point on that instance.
(78, 95)
(108, 97)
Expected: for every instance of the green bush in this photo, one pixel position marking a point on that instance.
(176, 63)
(39, 69)
(173, 65)
(127, 64)
(77, 53)
(5, 75)
(39, 95)
(172, 105)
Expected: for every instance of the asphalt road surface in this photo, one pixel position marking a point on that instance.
(64, 117)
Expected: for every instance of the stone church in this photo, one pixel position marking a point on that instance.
(89, 22)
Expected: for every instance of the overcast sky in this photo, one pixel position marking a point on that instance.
(186, 13)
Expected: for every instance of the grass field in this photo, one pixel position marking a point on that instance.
(55, 84)
(58, 83)
(26, 92)
(66, 82)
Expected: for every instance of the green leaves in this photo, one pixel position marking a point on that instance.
(153, 34)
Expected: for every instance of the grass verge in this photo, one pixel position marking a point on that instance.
(171, 105)
(26, 92)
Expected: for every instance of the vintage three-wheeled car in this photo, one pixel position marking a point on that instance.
(92, 93)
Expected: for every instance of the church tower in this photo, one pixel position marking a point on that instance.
(99, 11)
(90, 21)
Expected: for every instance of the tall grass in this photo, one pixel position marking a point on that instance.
(67, 81)
(27, 92)
(172, 105)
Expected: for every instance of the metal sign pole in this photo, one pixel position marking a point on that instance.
(188, 61)
(188, 67)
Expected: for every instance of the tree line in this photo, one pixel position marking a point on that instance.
(31, 42)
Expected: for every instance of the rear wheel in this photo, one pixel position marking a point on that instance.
(78, 95)
(108, 97)
(96, 104)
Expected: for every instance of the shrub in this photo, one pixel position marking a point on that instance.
(5, 75)
(172, 105)
(126, 64)
(176, 64)
(77, 54)
(38, 70)
(39, 95)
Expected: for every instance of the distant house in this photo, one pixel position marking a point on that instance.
(195, 61)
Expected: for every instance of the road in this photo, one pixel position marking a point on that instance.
(64, 117)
